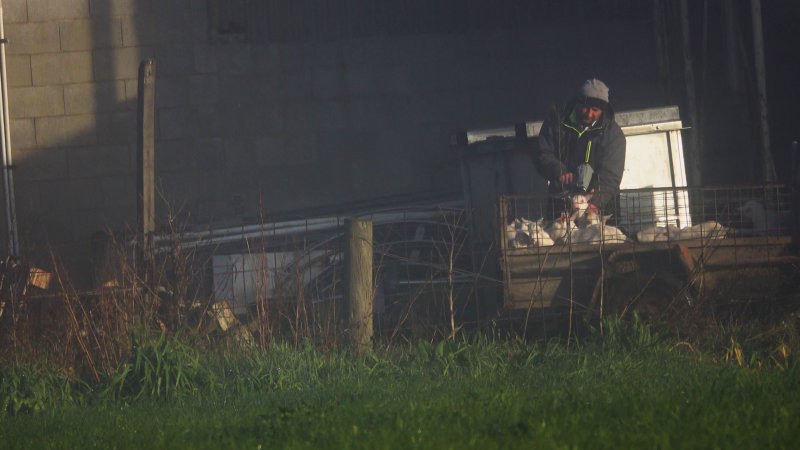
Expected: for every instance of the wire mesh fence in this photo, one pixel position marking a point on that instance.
(421, 261)
(645, 215)
(722, 243)
(286, 278)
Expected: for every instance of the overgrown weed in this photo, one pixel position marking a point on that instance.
(31, 389)
(161, 367)
(148, 333)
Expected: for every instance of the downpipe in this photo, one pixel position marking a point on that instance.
(5, 129)
(794, 186)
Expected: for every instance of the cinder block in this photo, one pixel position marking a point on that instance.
(387, 176)
(91, 34)
(46, 231)
(32, 38)
(174, 7)
(264, 119)
(44, 10)
(270, 151)
(26, 199)
(40, 164)
(181, 190)
(171, 91)
(291, 57)
(19, 70)
(434, 76)
(120, 63)
(15, 11)
(329, 82)
(61, 68)
(236, 59)
(237, 88)
(278, 185)
(457, 108)
(210, 121)
(297, 85)
(441, 48)
(303, 148)
(268, 58)
(96, 97)
(200, 24)
(242, 120)
(365, 79)
(330, 115)
(237, 145)
(431, 108)
(138, 30)
(353, 143)
(173, 155)
(282, 150)
(133, 148)
(112, 217)
(132, 90)
(157, 28)
(270, 87)
(409, 50)
(103, 9)
(175, 123)
(102, 160)
(36, 101)
(398, 80)
(319, 54)
(288, 187)
(120, 191)
(209, 155)
(199, 6)
(375, 112)
(71, 195)
(205, 58)
(204, 89)
(373, 51)
(299, 116)
(23, 134)
(174, 59)
(116, 128)
(66, 131)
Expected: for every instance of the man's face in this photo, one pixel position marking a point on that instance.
(589, 114)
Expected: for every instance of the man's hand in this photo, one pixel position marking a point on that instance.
(566, 178)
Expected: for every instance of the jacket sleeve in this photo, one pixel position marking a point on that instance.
(545, 157)
(609, 172)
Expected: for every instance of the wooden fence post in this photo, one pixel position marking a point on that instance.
(145, 158)
(358, 282)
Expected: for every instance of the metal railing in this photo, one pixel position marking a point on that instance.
(751, 210)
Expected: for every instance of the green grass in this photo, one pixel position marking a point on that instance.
(630, 391)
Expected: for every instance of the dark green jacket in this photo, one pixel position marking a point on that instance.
(562, 147)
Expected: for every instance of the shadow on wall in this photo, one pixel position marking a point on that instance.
(74, 137)
(302, 125)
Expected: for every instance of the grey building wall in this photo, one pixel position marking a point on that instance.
(245, 130)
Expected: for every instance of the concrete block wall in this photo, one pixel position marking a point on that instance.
(246, 129)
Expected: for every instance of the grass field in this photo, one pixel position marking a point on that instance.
(634, 391)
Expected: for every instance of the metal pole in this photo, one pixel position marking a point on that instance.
(8, 178)
(767, 163)
(794, 184)
(696, 168)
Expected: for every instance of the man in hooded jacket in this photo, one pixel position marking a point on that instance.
(583, 134)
